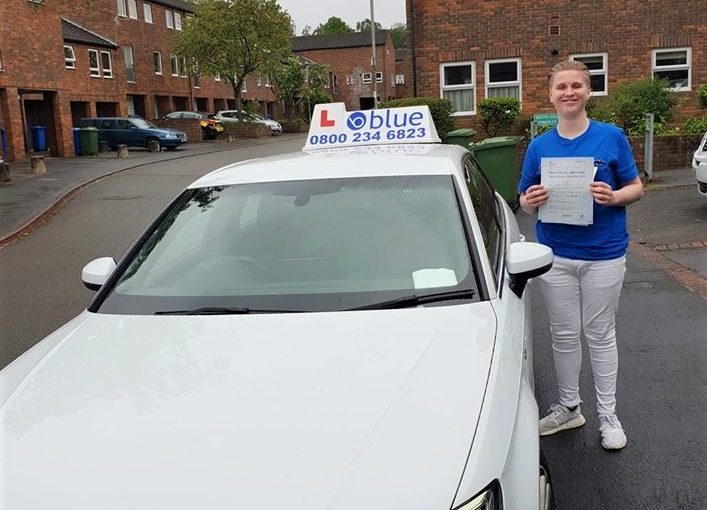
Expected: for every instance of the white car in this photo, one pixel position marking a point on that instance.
(699, 166)
(231, 116)
(341, 328)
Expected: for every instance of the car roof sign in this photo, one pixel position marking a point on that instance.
(332, 126)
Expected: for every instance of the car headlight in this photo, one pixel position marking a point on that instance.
(488, 499)
(171, 135)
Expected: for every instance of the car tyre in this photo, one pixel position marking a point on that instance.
(547, 496)
(153, 140)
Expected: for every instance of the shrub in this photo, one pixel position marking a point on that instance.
(695, 126)
(440, 109)
(702, 96)
(498, 114)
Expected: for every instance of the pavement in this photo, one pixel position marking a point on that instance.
(27, 200)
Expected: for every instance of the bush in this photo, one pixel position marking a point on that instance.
(498, 114)
(702, 96)
(440, 109)
(695, 126)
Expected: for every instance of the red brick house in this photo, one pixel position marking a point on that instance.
(488, 49)
(348, 57)
(60, 61)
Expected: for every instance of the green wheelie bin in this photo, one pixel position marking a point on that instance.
(498, 158)
(88, 138)
(460, 137)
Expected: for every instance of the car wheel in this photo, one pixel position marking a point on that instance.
(547, 497)
(154, 142)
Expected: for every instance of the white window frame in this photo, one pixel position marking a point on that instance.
(174, 64)
(687, 66)
(502, 84)
(244, 87)
(106, 71)
(122, 8)
(158, 61)
(129, 57)
(400, 79)
(94, 71)
(183, 67)
(169, 18)
(259, 81)
(147, 12)
(69, 62)
(597, 72)
(466, 86)
(132, 9)
(177, 21)
(366, 78)
(217, 77)
(379, 77)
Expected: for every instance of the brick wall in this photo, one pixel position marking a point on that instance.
(191, 127)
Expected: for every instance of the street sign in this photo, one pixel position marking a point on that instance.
(545, 119)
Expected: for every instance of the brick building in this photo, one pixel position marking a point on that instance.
(60, 61)
(489, 49)
(348, 57)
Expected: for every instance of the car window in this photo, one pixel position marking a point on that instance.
(107, 124)
(142, 124)
(483, 198)
(300, 245)
(124, 124)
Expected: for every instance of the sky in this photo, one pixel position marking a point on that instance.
(314, 12)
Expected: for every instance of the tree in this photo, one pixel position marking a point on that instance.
(295, 78)
(333, 25)
(236, 38)
(365, 26)
(307, 30)
(399, 33)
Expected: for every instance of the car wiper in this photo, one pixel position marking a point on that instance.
(221, 310)
(415, 300)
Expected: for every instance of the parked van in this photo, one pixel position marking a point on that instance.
(134, 132)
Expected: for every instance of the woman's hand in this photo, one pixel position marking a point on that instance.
(629, 193)
(535, 196)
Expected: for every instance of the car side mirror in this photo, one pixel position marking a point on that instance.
(524, 261)
(96, 272)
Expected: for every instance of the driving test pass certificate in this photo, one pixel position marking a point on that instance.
(569, 199)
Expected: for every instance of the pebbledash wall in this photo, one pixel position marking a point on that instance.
(488, 48)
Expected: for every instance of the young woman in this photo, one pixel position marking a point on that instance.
(582, 289)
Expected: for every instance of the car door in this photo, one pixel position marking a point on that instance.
(107, 131)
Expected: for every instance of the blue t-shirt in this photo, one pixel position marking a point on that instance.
(606, 238)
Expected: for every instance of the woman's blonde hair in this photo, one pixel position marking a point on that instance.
(569, 65)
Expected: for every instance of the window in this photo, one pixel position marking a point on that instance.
(129, 63)
(598, 75)
(457, 85)
(366, 78)
(147, 12)
(177, 21)
(132, 9)
(334, 84)
(69, 57)
(183, 67)
(244, 87)
(106, 66)
(175, 65)
(93, 65)
(122, 10)
(157, 61)
(673, 65)
(379, 77)
(259, 82)
(483, 199)
(169, 19)
(217, 77)
(400, 79)
(503, 78)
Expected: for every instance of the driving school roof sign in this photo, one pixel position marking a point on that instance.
(332, 126)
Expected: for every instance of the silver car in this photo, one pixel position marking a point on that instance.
(231, 117)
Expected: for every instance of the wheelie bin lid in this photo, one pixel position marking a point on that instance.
(462, 132)
(497, 141)
(89, 128)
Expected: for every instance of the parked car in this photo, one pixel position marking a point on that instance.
(134, 132)
(348, 326)
(699, 166)
(231, 116)
(210, 127)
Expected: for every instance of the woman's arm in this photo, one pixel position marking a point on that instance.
(629, 193)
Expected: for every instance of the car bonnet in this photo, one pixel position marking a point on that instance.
(309, 411)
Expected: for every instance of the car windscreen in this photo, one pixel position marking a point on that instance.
(142, 123)
(313, 245)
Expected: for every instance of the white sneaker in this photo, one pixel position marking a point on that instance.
(613, 436)
(560, 418)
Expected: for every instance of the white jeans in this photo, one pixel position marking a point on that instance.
(584, 295)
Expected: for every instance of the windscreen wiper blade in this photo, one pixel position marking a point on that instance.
(415, 300)
(221, 310)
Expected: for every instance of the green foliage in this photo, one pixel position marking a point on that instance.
(498, 114)
(365, 25)
(702, 96)
(253, 107)
(628, 104)
(440, 109)
(294, 80)
(313, 98)
(399, 33)
(333, 25)
(695, 126)
(235, 39)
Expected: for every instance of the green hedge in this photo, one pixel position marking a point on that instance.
(702, 96)
(498, 114)
(441, 110)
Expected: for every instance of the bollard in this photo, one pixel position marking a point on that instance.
(122, 151)
(37, 165)
(153, 146)
(5, 172)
